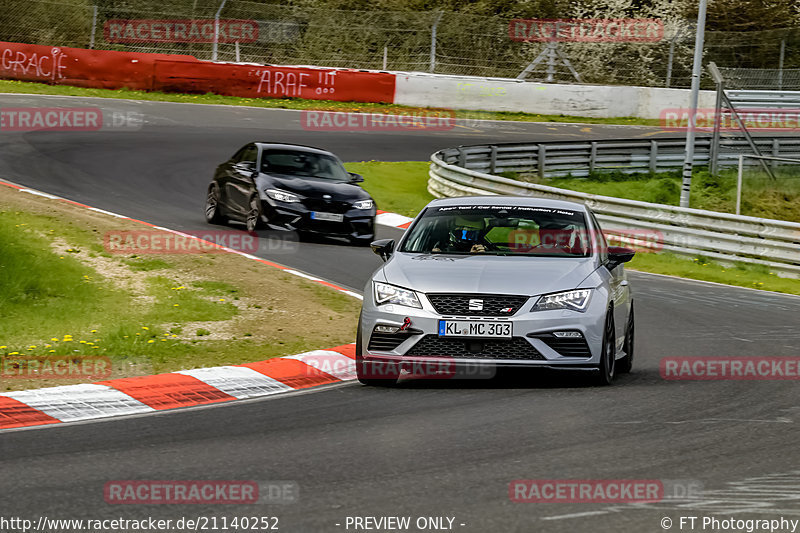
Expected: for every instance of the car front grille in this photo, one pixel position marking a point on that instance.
(330, 206)
(492, 304)
(515, 349)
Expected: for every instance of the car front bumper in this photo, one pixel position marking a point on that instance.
(533, 342)
(356, 223)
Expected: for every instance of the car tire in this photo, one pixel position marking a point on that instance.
(607, 367)
(213, 211)
(253, 220)
(368, 373)
(625, 364)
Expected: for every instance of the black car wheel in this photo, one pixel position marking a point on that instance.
(253, 221)
(607, 367)
(626, 363)
(213, 212)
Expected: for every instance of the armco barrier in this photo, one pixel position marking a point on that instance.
(114, 70)
(685, 231)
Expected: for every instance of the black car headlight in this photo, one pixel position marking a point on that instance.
(282, 196)
(364, 204)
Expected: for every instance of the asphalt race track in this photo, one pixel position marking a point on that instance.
(421, 449)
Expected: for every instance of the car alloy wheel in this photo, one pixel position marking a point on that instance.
(212, 207)
(607, 367)
(626, 363)
(253, 215)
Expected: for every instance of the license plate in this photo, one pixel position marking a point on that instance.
(474, 328)
(330, 217)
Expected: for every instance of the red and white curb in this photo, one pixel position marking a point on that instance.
(186, 388)
(394, 220)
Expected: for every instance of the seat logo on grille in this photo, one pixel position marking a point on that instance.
(476, 305)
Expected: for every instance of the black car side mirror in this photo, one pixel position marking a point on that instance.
(618, 255)
(356, 178)
(383, 247)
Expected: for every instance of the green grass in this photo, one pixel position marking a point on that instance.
(761, 197)
(7, 86)
(409, 179)
(396, 187)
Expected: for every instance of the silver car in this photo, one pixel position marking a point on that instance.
(478, 283)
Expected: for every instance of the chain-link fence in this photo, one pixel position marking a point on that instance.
(428, 41)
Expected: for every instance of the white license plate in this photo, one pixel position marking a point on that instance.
(474, 328)
(330, 217)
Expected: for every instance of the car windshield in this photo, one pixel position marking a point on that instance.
(308, 164)
(500, 230)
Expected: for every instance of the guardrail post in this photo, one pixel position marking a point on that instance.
(592, 156)
(540, 160)
(493, 159)
(462, 158)
(653, 155)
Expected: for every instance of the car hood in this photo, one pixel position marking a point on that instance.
(487, 274)
(314, 187)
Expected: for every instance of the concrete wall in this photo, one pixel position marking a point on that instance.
(501, 94)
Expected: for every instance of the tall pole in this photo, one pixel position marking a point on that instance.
(436, 20)
(216, 32)
(696, 69)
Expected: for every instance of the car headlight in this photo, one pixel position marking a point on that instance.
(282, 196)
(364, 204)
(389, 294)
(576, 300)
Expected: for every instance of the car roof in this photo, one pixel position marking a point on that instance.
(288, 146)
(509, 200)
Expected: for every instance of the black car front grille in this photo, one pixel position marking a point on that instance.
(492, 304)
(330, 206)
(566, 346)
(515, 349)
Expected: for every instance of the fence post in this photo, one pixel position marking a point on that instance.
(462, 158)
(94, 28)
(433, 41)
(493, 159)
(780, 64)
(669, 60)
(215, 46)
(592, 156)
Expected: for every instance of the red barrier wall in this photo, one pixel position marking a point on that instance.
(255, 81)
(180, 73)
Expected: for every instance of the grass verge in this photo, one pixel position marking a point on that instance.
(10, 86)
(401, 188)
(63, 294)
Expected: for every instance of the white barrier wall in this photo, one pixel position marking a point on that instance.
(501, 94)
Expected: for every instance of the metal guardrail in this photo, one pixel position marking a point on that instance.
(467, 171)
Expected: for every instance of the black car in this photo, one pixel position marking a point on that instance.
(288, 186)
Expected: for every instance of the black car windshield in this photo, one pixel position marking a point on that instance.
(500, 230)
(297, 163)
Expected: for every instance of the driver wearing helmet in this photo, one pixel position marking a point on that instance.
(465, 236)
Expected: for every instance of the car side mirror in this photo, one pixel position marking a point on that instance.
(618, 255)
(356, 178)
(383, 247)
